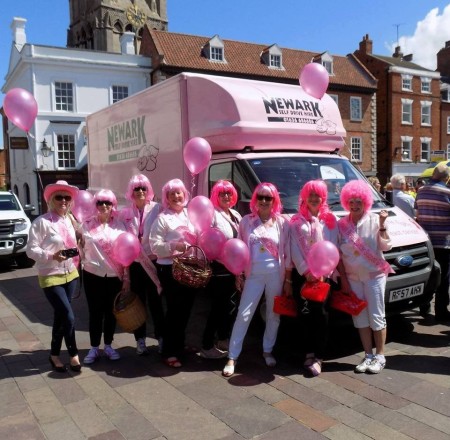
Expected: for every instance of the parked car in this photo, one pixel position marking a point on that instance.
(14, 229)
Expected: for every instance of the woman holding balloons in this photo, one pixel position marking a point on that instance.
(363, 237)
(143, 210)
(266, 234)
(313, 223)
(170, 235)
(221, 287)
(103, 276)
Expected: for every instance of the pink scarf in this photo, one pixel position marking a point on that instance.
(348, 230)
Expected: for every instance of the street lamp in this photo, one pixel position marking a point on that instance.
(45, 149)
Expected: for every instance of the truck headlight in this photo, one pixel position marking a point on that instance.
(20, 226)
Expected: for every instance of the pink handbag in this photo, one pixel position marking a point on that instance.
(347, 303)
(315, 291)
(285, 305)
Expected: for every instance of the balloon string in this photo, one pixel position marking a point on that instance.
(192, 183)
(30, 135)
(35, 164)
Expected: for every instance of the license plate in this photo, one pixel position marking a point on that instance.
(406, 292)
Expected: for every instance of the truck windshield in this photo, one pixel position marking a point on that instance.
(289, 174)
(8, 203)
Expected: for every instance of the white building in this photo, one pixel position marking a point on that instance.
(68, 85)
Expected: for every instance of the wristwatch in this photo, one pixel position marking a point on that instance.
(136, 17)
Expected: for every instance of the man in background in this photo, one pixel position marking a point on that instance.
(433, 214)
(400, 198)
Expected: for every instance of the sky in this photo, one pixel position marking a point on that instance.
(420, 27)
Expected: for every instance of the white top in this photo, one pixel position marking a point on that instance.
(404, 201)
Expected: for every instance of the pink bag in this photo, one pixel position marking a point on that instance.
(315, 291)
(285, 305)
(347, 303)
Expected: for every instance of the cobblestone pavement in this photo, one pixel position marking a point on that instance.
(139, 398)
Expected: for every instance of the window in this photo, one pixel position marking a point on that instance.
(445, 95)
(327, 61)
(66, 151)
(425, 85)
(406, 82)
(216, 54)
(356, 145)
(64, 96)
(355, 108)
(448, 151)
(275, 61)
(407, 111)
(119, 92)
(425, 149)
(406, 148)
(448, 124)
(425, 112)
(335, 98)
(328, 66)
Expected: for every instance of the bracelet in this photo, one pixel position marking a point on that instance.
(288, 281)
(382, 229)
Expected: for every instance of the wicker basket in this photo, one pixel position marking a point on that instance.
(129, 311)
(190, 270)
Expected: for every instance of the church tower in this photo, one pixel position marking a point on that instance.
(99, 24)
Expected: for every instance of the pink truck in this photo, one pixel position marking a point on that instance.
(258, 131)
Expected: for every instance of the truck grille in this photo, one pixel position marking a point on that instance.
(6, 227)
(419, 252)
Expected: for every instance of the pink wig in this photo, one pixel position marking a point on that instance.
(320, 188)
(223, 186)
(173, 185)
(357, 189)
(272, 190)
(139, 180)
(106, 194)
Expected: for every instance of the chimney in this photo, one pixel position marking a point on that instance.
(397, 53)
(18, 32)
(127, 43)
(366, 45)
(443, 60)
(408, 57)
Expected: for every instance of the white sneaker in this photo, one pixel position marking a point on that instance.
(364, 365)
(92, 356)
(111, 353)
(377, 364)
(213, 353)
(141, 348)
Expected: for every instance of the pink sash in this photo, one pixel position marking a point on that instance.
(263, 237)
(350, 234)
(150, 268)
(315, 235)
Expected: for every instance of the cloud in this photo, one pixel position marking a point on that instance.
(429, 37)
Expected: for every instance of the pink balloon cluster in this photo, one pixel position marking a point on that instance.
(235, 256)
(83, 206)
(197, 154)
(314, 79)
(200, 213)
(20, 108)
(322, 259)
(126, 248)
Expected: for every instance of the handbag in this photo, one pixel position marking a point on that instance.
(347, 302)
(285, 305)
(315, 291)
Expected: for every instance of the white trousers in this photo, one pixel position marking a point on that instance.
(255, 286)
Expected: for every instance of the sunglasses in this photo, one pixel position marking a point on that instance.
(60, 198)
(140, 188)
(264, 198)
(225, 193)
(103, 202)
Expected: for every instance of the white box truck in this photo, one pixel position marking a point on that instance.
(258, 131)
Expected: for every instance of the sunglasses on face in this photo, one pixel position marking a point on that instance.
(103, 202)
(60, 198)
(264, 198)
(140, 188)
(225, 193)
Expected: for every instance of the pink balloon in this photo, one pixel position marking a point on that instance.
(200, 213)
(235, 256)
(20, 108)
(197, 154)
(314, 79)
(83, 206)
(322, 259)
(126, 248)
(212, 242)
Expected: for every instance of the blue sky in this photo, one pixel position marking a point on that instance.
(336, 26)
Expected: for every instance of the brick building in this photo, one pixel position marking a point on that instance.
(351, 84)
(408, 112)
(443, 66)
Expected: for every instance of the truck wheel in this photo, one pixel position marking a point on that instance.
(23, 261)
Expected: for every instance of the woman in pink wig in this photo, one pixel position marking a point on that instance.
(266, 234)
(313, 223)
(363, 237)
(221, 287)
(138, 217)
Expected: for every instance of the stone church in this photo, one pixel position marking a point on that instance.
(98, 24)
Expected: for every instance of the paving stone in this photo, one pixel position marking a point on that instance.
(308, 416)
(67, 391)
(340, 395)
(111, 435)
(20, 426)
(344, 381)
(384, 398)
(292, 431)
(428, 417)
(343, 432)
(12, 401)
(63, 429)
(45, 405)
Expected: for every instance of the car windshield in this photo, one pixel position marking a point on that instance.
(8, 203)
(289, 174)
